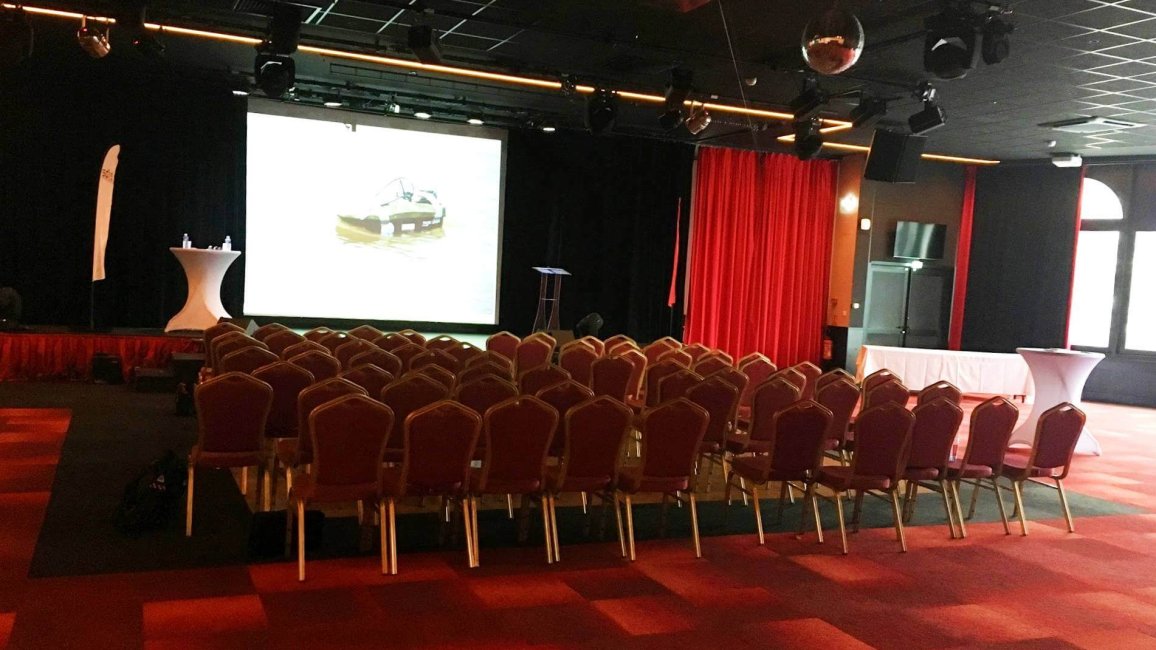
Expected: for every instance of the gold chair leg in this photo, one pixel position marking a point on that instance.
(999, 502)
(383, 529)
(955, 486)
(475, 504)
(545, 503)
(392, 537)
(630, 526)
(943, 489)
(1064, 503)
(584, 504)
(842, 523)
(467, 524)
(857, 511)
(189, 504)
(288, 484)
(267, 487)
(618, 521)
(974, 498)
(245, 481)
(510, 506)
(728, 483)
(694, 525)
(898, 520)
(758, 513)
(554, 527)
(300, 540)
(360, 512)
(1018, 487)
(815, 511)
(743, 485)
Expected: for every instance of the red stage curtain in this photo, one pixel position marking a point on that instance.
(761, 254)
(69, 356)
(962, 257)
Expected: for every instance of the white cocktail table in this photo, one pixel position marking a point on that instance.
(1059, 377)
(204, 269)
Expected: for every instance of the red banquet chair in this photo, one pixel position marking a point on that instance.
(617, 340)
(413, 337)
(798, 379)
(212, 333)
(334, 340)
(696, 351)
(757, 369)
(532, 381)
(287, 381)
(387, 361)
(671, 438)
(578, 360)
(493, 358)
(531, 353)
(407, 353)
(366, 333)
(391, 341)
(654, 376)
(369, 377)
(231, 342)
(833, 375)
(637, 372)
(611, 376)
(839, 396)
(434, 358)
(292, 453)
(593, 434)
(992, 423)
(517, 435)
(720, 399)
(772, 396)
(795, 453)
(320, 364)
(464, 353)
(812, 373)
(504, 343)
(676, 384)
(280, 340)
(265, 331)
(301, 347)
(932, 437)
(351, 348)
(563, 396)
(486, 369)
(733, 377)
(438, 442)
(438, 374)
(658, 348)
(404, 396)
(752, 357)
(232, 409)
(878, 377)
(940, 389)
(595, 343)
(710, 364)
(891, 391)
(348, 439)
(444, 342)
(677, 356)
(1057, 433)
(246, 359)
(318, 333)
(485, 391)
(883, 436)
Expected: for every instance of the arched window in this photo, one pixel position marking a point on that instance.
(1093, 290)
(1098, 202)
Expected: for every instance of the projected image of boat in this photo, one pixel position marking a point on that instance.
(400, 208)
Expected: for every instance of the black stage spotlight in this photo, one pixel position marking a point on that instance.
(869, 110)
(588, 326)
(274, 70)
(284, 30)
(932, 116)
(996, 44)
(809, 101)
(677, 90)
(275, 74)
(131, 21)
(601, 110)
(808, 140)
(950, 45)
(93, 39)
(15, 36)
(697, 122)
(670, 120)
(425, 44)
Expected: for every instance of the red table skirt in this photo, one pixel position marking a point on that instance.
(69, 356)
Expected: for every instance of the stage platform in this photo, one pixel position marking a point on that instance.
(60, 353)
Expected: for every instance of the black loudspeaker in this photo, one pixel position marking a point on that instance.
(247, 324)
(424, 44)
(106, 369)
(894, 157)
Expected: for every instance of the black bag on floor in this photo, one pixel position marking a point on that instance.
(149, 498)
(267, 534)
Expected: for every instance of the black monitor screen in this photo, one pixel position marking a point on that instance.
(920, 241)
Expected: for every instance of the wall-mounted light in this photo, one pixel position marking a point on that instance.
(864, 224)
(916, 265)
(849, 203)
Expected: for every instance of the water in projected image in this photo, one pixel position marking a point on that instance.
(371, 223)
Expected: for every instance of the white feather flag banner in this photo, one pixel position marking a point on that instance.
(104, 210)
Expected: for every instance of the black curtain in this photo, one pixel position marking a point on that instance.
(1020, 274)
(605, 209)
(182, 169)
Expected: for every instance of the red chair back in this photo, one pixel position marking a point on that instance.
(334, 340)
(231, 342)
(840, 397)
(349, 435)
(732, 376)
(800, 438)
(492, 358)
(657, 349)
(485, 391)
(1057, 433)
(710, 364)
(578, 360)
(618, 340)
(939, 390)
(992, 423)
(439, 441)
(265, 331)
(504, 343)
(531, 353)
(677, 356)
(532, 381)
(231, 413)
(413, 337)
(301, 347)
(247, 359)
(464, 353)
(882, 438)
(610, 376)
(750, 358)
(369, 377)
(434, 358)
(391, 341)
(772, 396)
(798, 379)
(486, 369)
(677, 383)
(287, 381)
(638, 360)
(544, 337)
(318, 333)
(696, 351)
(320, 364)
(352, 347)
(654, 376)
(387, 361)
(438, 374)
(828, 377)
(408, 394)
(672, 435)
(887, 392)
(878, 377)
(720, 400)
(812, 373)
(595, 343)
(444, 343)
(280, 340)
(936, 425)
(563, 396)
(212, 334)
(366, 333)
(314, 396)
(594, 432)
(517, 436)
(407, 353)
(758, 369)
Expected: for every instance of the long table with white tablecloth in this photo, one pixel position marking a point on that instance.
(988, 373)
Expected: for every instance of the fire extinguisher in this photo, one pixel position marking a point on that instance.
(828, 348)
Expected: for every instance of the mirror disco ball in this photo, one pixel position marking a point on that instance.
(833, 41)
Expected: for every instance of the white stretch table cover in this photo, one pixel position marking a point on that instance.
(972, 372)
(204, 269)
(1059, 376)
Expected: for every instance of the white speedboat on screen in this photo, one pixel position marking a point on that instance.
(398, 208)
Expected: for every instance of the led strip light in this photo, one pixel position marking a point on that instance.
(832, 125)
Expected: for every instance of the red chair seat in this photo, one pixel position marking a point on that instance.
(631, 481)
(391, 483)
(956, 469)
(287, 453)
(497, 486)
(921, 474)
(756, 469)
(225, 458)
(737, 443)
(575, 483)
(1016, 465)
(306, 488)
(841, 479)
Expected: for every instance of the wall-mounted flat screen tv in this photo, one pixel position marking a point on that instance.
(919, 241)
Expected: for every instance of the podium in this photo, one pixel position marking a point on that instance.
(547, 299)
(204, 270)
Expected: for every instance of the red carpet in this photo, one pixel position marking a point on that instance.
(1092, 589)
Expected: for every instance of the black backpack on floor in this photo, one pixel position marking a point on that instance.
(149, 498)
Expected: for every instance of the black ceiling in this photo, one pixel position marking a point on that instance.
(1069, 58)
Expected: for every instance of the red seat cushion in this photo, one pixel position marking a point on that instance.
(225, 458)
(498, 486)
(286, 451)
(1016, 466)
(956, 470)
(631, 481)
(307, 489)
(841, 479)
(921, 474)
(575, 483)
(756, 469)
